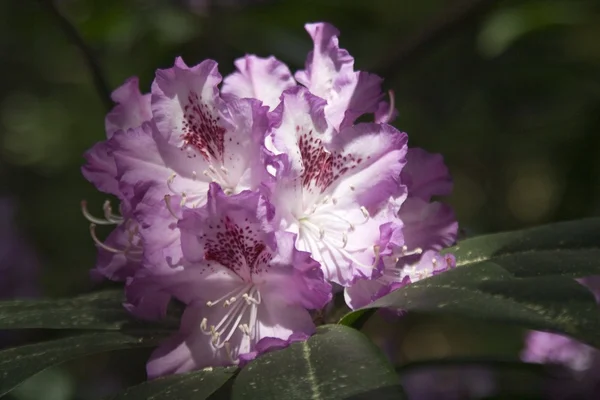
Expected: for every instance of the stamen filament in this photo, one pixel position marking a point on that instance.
(388, 116)
(99, 242)
(230, 354)
(91, 218)
(232, 295)
(169, 208)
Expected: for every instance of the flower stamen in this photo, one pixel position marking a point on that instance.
(390, 112)
(169, 208)
(95, 220)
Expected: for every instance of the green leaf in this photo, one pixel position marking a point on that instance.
(488, 292)
(336, 363)
(195, 385)
(99, 310)
(519, 278)
(567, 248)
(19, 363)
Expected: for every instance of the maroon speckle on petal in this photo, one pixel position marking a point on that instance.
(238, 248)
(201, 130)
(321, 167)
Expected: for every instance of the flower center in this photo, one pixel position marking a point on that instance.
(220, 175)
(322, 226)
(241, 304)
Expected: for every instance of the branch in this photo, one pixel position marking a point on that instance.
(71, 32)
(444, 25)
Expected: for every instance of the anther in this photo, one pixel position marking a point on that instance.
(344, 240)
(406, 252)
(108, 214)
(365, 212)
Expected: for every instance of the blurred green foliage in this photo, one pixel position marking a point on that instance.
(510, 96)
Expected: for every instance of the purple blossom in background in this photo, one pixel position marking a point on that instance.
(447, 383)
(247, 197)
(19, 265)
(18, 262)
(581, 359)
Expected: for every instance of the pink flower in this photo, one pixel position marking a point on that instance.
(332, 188)
(427, 228)
(242, 202)
(245, 282)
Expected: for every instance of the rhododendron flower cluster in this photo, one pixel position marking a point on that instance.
(247, 200)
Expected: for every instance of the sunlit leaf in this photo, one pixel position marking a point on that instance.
(336, 363)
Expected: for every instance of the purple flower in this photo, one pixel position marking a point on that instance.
(427, 228)
(245, 282)
(332, 187)
(192, 138)
(241, 202)
(120, 254)
(18, 262)
(329, 74)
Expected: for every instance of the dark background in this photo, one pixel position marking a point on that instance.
(508, 91)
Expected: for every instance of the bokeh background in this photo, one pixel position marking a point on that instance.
(508, 91)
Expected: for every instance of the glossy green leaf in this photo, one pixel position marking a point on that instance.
(98, 310)
(19, 363)
(567, 248)
(520, 278)
(336, 363)
(197, 385)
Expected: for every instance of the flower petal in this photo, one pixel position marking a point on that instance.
(260, 78)
(330, 75)
(187, 108)
(132, 109)
(354, 94)
(100, 168)
(372, 157)
(230, 231)
(295, 278)
(428, 226)
(325, 61)
(426, 175)
(142, 155)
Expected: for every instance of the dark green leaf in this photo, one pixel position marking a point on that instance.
(19, 363)
(566, 248)
(197, 385)
(336, 363)
(99, 310)
(489, 292)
